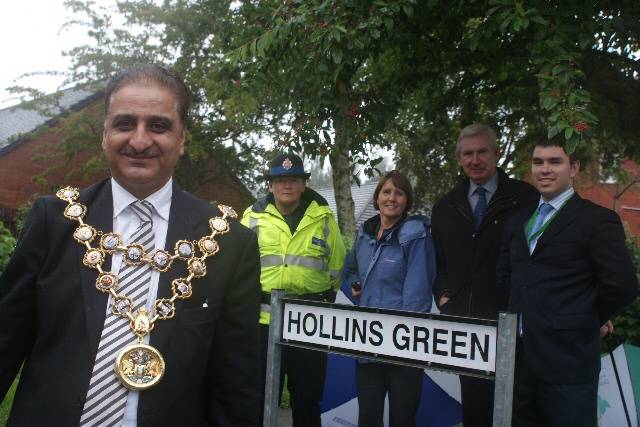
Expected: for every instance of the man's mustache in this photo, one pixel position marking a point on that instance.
(147, 153)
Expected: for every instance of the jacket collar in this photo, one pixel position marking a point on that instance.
(458, 197)
(99, 202)
(566, 215)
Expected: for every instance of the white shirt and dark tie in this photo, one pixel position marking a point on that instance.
(546, 211)
(126, 223)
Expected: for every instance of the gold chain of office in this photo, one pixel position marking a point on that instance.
(140, 366)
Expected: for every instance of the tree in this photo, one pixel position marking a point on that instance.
(531, 71)
(338, 78)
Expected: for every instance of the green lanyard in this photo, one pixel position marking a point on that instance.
(532, 221)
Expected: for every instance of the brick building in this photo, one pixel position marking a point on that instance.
(603, 192)
(28, 137)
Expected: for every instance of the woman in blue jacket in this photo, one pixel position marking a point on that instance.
(391, 265)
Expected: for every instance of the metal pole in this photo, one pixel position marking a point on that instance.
(615, 371)
(274, 350)
(505, 369)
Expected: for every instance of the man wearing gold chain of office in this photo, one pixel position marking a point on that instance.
(132, 302)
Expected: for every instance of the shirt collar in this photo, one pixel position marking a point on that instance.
(560, 199)
(161, 199)
(491, 185)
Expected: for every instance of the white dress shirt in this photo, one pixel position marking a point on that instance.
(125, 223)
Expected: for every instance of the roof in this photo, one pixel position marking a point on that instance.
(362, 200)
(19, 119)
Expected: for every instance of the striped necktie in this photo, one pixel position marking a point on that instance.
(106, 397)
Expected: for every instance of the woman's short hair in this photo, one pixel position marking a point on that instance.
(400, 181)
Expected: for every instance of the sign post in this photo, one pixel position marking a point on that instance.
(505, 368)
(465, 346)
(274, 350)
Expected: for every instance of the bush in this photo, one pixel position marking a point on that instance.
(7, 244)
(627, 323)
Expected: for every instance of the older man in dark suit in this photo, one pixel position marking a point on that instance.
(568, 272)
(133, 302)
(467, 225)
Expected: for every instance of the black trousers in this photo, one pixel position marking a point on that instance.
(477, 401)
(541, 404)
(374, 381)
(305, 370)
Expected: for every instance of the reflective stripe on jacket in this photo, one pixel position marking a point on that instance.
(309, 261)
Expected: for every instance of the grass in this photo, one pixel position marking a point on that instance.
(5, 407)
(285, 400)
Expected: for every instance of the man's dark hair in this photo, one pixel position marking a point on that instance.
(400, 181)
(557, 141)
(151, 74)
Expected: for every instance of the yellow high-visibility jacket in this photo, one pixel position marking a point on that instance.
(305, 262)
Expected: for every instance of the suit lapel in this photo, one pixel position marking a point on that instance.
(182, 224)
(565, 217)
(99, 202)
(523, 242)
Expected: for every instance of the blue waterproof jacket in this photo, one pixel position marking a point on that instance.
(398, 270)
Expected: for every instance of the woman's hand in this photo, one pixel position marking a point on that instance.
(356, 289)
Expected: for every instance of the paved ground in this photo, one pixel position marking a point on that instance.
(284, 418)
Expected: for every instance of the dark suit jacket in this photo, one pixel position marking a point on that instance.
(466, 257)
(51, 318)
(579, 276)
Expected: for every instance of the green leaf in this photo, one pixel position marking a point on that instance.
(375, 162)
(337, 56)
(553, 131)
(327, 137)
(388, 22)
(571, 144)
(568, 132)
(408, 10)
(538, 19)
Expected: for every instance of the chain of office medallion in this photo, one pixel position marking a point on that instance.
(134, 254)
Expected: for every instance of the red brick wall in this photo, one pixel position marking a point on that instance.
(603, 194)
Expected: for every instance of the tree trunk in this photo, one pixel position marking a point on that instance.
(341, 160)
(341, 172)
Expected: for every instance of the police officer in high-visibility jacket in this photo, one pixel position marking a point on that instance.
(301, 251)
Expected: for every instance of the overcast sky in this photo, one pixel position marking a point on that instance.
(31, 40)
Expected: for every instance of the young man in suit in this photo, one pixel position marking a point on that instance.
(114, 314)
(568, 271)
(467, 225)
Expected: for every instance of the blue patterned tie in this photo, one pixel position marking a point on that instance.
(543, 210)
(481, 206)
